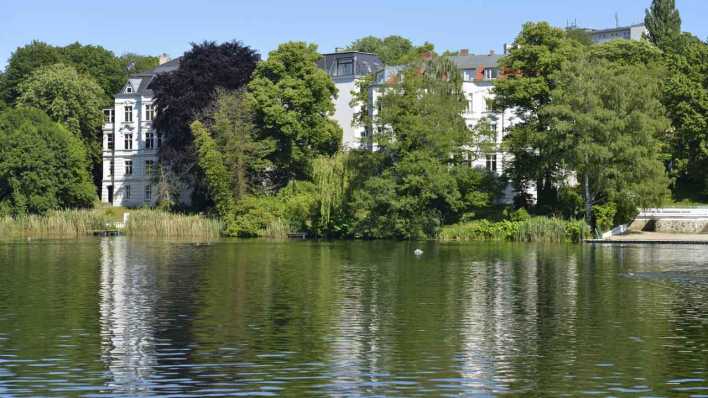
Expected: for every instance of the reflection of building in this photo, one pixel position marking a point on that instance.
(129, 297)
(346, 68)
(130, 143)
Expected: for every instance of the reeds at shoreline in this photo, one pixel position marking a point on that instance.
(536, 229)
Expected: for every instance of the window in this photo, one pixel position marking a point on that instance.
(127, 191)
(149, 140)
(494, 126)
(149, 112)
(128, 141)
(128, 113)
(345, 67)
(491, 73)
(129, 89)
(128, 167)
(149, 166)
(470, 105)
(109, 142)
(148, 192)
(469, 74)
(492, 162)
(110, 168)
(159, 140)
(108, 116)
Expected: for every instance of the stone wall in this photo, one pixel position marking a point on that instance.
(695, 226)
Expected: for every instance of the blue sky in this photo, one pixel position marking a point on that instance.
(156, 26)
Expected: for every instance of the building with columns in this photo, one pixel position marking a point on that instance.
(131, 144)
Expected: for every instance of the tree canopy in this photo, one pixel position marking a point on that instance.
(392, 50)
(70, 98)
(182, 95)
(606, 120)
(663, 22)
(292, 101)
(42, 165)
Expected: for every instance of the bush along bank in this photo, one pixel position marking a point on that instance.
(535, 229)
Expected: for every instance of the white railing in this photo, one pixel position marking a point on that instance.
(668, 213)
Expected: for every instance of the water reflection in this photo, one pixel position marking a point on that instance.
(129, 295)
(119, 317)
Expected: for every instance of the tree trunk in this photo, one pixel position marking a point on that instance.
(588, 201)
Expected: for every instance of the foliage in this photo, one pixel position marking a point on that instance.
(332, 177)
(605, 120)
(580, 35)
(627, 52)
(293, 100)
(604, 216)
(212, 165)
(42, 165)
(70, 98)
(159, 223)
(245, 154)
(55, 224)
(95, 61)
(536, 229)
(392, 50)
(182, 95)
(136, 63)
(663, 22)
(537, 53)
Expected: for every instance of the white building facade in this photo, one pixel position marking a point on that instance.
(632, 32)
(131, 143)
(346, 68)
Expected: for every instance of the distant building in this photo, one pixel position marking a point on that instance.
(131, 144)
(346, 68)
(632, 32)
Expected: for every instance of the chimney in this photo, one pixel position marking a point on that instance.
(464, 52)
(163, 58)
(492, 52)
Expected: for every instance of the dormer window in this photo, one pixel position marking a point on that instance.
(345, 67)
(129, 90)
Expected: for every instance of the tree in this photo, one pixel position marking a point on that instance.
(418, 179)
(392, 50)
(135, 63)
(181, 96)
(663, 22)
(42, 165)
(536, 54)
(627, 52)
(606, 120)
(580, 35)
(292, 101)
(217, 178)
(70, 98)
(245, 154)
(23, 61)
(97, 62)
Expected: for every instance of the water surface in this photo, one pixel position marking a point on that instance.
(120, 317)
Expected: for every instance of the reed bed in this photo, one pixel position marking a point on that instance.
(59, 223)
(161, 224)
(536, 229)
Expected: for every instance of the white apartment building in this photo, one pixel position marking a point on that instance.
(632, 32)
(131, 144)
(346, 68)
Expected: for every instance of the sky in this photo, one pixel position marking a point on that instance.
(159, 26)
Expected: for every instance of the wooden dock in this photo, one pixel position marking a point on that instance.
(654, 238)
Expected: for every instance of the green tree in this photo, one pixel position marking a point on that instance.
(606, 120)
(580, 35)
(418, 180)
(245, 154)
(537, 53)
(135, 63)
(392, 50)
(292, 101)
(97, 62)
(663, 22)
(42, 165)
(211, 161)
(70, 98)
(23, 61)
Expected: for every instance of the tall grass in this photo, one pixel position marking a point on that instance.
(536, 229)
(59, 223)
(161, 224)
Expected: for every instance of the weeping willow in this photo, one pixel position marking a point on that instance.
(332, 177)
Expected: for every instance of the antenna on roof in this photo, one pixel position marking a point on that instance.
(617, 20)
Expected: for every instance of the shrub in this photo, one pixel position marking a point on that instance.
(536, 229)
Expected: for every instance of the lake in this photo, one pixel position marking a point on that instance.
(124, 317)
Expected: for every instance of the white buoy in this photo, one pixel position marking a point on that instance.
(418, 252)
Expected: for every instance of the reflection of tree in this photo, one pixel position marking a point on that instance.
(129, 294)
